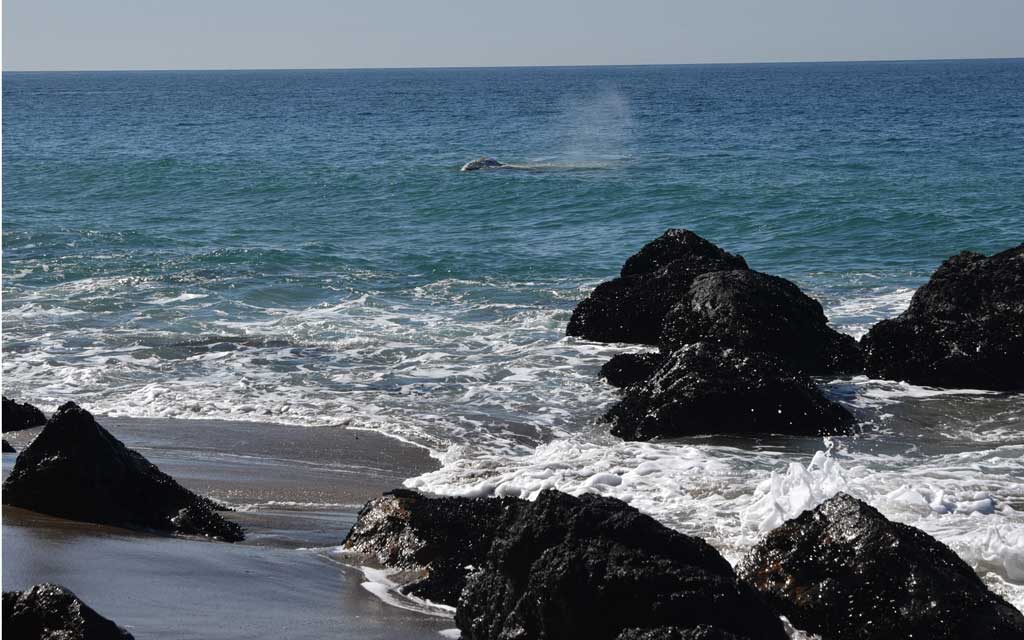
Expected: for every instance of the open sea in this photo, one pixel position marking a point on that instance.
(299, 247)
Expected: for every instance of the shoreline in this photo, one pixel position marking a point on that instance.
(296, 491)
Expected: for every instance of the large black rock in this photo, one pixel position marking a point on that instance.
(964, 328)
(51, 612)
(593, 567)
(631, 308)
(757, 312)
(629, 368)
(434, 539)
(706, 389)
(847, 573)
(673, 245)
(76, 469)
(18, 416)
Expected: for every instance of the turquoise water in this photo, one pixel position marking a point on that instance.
(300, 247)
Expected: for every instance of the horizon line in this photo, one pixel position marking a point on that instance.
(513, 66)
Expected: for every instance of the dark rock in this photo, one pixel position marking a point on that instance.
(702, 632)
(629, 368)
(200, 518)
(18, 416)
(757, 312)
(434, 539)
(677, 244)
(8, 448)
(703, 388)
(964, 328)
(76, 469)
(592, 567)
(632, 308)
(51, 612)
(846, 572)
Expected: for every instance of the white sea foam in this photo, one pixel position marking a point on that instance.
(731, 497)
(964, 499)
(995, 548)
(872, 392)
(509, 406)
(797, 634)
(287, 505)
(35, 311)
(184, 297)
(783, 496)
(379, 583)
(857, 314)
(445, 370)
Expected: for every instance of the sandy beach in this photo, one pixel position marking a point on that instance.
(297, 491)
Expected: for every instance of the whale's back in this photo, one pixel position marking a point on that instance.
(481, 163)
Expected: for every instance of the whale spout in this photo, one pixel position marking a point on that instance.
(481, 163)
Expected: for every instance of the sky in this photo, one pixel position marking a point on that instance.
(268, 34)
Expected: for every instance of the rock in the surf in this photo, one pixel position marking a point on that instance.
(631, 308)
(845, 572)
(18, 416)
(76, 469)
(964, 328)
(703, 388)
(629, 368)
(758, 312)
(51, 612)
(677, 244)
(593, 567)
(8, 448)
(436, 541)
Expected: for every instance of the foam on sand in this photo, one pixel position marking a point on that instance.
(379, 583)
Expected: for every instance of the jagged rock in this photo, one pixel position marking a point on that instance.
(846, 572)
(592, 567)
(631, 308)
(702, 632)
(758, 312)
(677, 244)
(434, 539)
(705, 389)
(964, 328)
(201, 519)
(8, 448)
(18, 416)
(629, 368)
(51, 612)
(76, 469)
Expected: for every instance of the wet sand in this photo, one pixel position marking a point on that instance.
(297, 490)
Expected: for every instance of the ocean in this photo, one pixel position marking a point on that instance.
(300, 248)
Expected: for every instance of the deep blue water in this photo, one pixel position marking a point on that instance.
(300, 247)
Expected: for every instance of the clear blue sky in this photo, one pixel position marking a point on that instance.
(218, 34)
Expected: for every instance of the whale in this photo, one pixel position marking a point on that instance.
(482, 163)
(485, 162)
